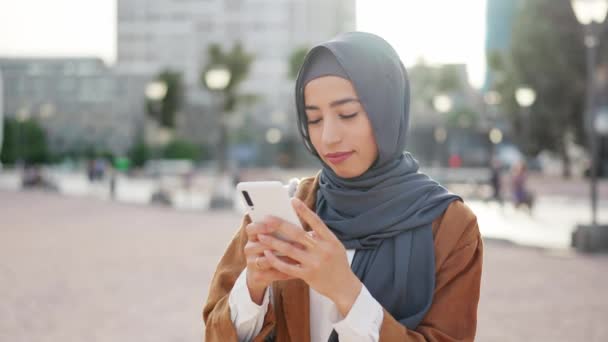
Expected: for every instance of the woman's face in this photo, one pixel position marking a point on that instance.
(339, 127)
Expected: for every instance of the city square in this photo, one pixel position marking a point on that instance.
(84, 268)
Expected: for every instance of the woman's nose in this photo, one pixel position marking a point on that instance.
(331, 133)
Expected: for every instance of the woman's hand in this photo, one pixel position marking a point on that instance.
(319, 257)
(259, 272)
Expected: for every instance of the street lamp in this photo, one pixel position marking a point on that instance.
(273, 136)
(156, 90)
(589, 11)
(525, 97)
(442, 103)
(591, 14)
(216, 79)
(495, 136)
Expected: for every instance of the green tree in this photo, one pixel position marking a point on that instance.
(180, 149)
(139, 153)
(429, 81)
(547, 54)
(24, 141)
(166, 110)
(9, 142)
(296, 59)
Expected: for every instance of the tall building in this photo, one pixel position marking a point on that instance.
(499, 28)
(79, 102)
(157, 34)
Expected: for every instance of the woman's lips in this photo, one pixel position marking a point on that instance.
(337, 158)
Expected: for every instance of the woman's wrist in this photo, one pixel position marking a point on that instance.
(256, 291)
(346, 296)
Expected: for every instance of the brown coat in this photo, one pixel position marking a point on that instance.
(452, 316)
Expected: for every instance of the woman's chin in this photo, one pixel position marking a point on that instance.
(345, 172)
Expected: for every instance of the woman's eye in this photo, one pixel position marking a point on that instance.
(312, 122)
(349, 116)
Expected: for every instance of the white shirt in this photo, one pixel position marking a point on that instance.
(362, 323)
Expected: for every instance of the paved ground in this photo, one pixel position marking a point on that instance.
(75, 269)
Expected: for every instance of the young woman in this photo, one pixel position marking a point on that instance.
(387, 254)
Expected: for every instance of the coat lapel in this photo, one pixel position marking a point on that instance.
(295, 293)
(296, 307)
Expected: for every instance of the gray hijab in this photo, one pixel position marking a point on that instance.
(387, 212)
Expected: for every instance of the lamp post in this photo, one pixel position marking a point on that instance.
(491, 100)
(442, 104)
(600, 124)
(590, 14)
(155, 93)
(216, 79)
(525, 97)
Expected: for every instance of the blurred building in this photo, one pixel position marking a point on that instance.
(80, 102)
(499, 28)
(175, 34)
(459, 129)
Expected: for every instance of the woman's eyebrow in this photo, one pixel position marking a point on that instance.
(343, 101)
(335, 103)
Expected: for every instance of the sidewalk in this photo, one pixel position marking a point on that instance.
(550, 224)
(77, 269)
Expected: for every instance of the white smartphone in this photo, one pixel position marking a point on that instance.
(267, 198)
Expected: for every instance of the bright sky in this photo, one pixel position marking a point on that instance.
(440, 31)
(58, 28)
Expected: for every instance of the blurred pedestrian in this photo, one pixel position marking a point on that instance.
(91, 170)
(385, 253)
(495, 180)
(522, 196)
(113, 181)
(99, 168)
